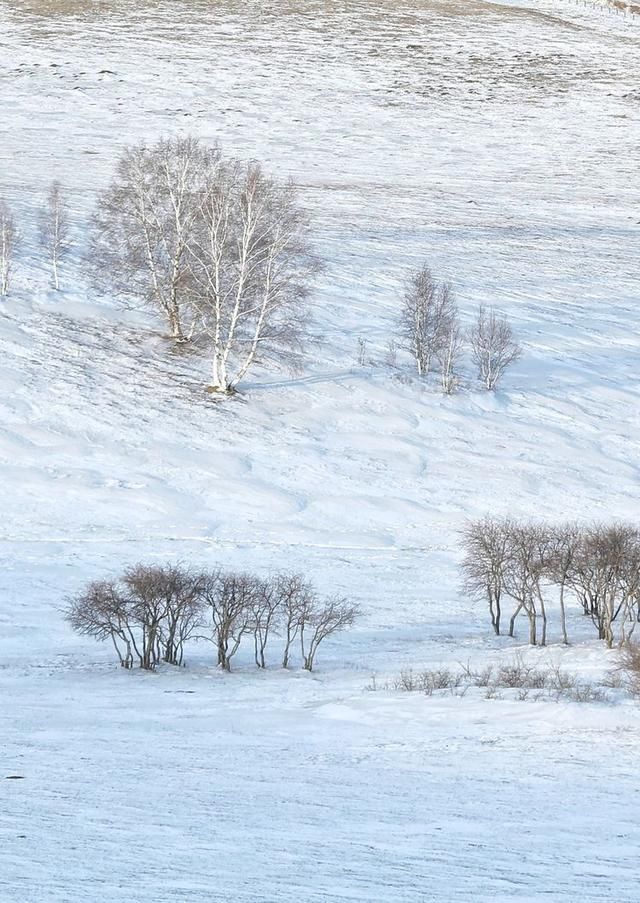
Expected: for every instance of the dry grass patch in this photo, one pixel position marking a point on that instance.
(514, 679)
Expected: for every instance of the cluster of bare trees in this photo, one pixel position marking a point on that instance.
(151, 612)
(433, 333)
(531, 565)
(214, 244)
(53, 233)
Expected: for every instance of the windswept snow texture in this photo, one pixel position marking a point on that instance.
(500, 143)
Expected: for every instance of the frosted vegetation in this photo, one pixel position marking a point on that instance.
(319, 451)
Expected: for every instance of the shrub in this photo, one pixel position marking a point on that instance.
(628, 667)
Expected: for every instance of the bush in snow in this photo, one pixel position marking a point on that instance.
(516, 677)
(629, 667)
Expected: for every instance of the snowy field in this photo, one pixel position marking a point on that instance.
(498, 141)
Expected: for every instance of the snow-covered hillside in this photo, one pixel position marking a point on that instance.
(500, 143)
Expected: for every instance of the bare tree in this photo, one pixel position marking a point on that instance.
(598, 564)
(147, 594)
(487, 548)
(449, 355)
(605, 574)
(296, 597)
(145, 222)
(149, 614)
(168, 602)
(230, 598)
(102, 611)
(630, 595)
(524, 571)
(8, 242)
(493, 346)
(252, 264)
(265, 610)
(320, 620)
(427, 313)
(54, 229)
(563, 547)
(544, 550)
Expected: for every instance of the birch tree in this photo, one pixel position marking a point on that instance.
(54, 230)
(8, 241)
(449, 355)
(251, 265)
(427, 313)
(493, 346)
(144, 224)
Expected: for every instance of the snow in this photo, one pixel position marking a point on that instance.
(500, 142)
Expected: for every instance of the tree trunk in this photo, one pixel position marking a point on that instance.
(287, 648)
(223, 662)
(494, 608)
(608, 634)
(175, 324)
(563, 616)
(512, 622)
(532, 627)
(259, 643)
(219, 384)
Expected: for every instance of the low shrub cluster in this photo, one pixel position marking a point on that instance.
(150, 613)
(627, 673)
(551, 682)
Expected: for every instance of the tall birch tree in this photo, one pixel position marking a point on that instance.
(54, 230)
